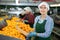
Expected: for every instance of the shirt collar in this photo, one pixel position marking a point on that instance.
(45, 18)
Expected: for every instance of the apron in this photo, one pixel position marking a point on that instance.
(40, 28)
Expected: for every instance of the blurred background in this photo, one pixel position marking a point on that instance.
(12, 7)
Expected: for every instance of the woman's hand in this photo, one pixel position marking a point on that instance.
(32, 34)
(25, 20)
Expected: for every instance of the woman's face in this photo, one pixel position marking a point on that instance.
(26, 12)
(43, 10)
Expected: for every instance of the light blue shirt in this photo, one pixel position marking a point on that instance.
(48, 26)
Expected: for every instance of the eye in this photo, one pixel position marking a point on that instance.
(41, 7)
(44, 7)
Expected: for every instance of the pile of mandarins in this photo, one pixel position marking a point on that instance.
(1, 18)
(10, 29)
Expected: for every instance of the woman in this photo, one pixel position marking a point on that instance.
(43, 24)
(29, 17)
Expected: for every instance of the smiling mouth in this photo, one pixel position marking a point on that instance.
(42, 11)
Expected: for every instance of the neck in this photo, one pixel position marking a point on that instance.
(43, 16)
(28, 12)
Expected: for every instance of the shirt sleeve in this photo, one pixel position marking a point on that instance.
(31, 19)
(24, 17)
(48, 29)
